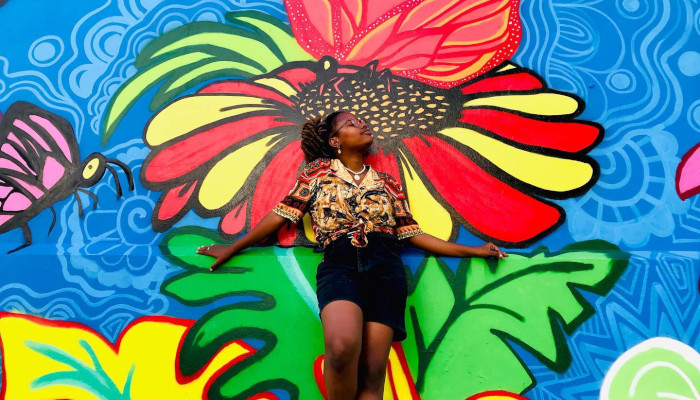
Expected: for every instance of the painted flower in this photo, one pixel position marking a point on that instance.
(481, 153)
(688, 174)
(442, 42)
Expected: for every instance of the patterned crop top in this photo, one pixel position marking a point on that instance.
(338, 206)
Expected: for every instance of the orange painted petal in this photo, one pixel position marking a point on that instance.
(357, 32)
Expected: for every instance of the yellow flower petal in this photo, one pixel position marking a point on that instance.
(279, 85)
(536, 103)
(192, 112)
(227, 177)
(431, 215)
(545, 172)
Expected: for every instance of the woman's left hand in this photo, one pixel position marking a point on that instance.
(491, 250)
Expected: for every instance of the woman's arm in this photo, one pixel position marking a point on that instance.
(266, 227)
(440, 247)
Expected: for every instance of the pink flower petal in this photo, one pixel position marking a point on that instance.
(688, 174)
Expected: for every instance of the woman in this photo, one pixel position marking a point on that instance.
(358, 215)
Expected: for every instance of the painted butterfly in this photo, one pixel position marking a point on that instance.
(40, 165)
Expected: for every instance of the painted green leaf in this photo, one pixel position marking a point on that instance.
(254, 43)
(285, 319)
(527, 299)
(433, 296)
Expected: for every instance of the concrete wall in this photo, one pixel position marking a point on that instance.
(134, 131)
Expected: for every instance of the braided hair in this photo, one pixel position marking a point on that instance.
(315, 134)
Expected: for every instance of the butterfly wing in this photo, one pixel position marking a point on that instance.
(37, 151)
(440, 42)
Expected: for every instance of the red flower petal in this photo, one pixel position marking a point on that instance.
(502, 83)
(287, 234)
(384, 163)
(276, 181)
(298, 76)
(246, 88)
(479, 34)
(570, 136)
(173, 201)
(488, 205)
(234, 221)
(184, 156)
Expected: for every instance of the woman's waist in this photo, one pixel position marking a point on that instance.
(348, 233)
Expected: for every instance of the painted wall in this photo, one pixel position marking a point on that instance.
(133, 132)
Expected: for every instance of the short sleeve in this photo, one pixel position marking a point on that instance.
(296, 203)
(406, 226)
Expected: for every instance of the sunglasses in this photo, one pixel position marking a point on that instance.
(356, 122)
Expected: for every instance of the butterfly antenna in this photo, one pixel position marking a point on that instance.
(116, 180)
(125, 168)
(80, 204)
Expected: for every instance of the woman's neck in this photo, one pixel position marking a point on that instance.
(354, 162)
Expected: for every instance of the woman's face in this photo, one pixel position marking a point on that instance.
(352, 133)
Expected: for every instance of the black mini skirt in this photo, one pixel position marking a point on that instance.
(373, 277)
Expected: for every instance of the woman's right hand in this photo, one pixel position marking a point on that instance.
(220, 252)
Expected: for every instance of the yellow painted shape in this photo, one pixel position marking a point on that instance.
(130, 92)
(226, 178)
(150, 346)
(545, 172)
(279, 85)
(401, 378)
(431, 215)
(535, 103)
(308, 228)
(190, 113)
(507, 66)
(286, 43)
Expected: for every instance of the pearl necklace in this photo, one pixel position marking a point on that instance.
(357, 174)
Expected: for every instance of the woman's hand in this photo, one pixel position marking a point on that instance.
(490, 250)
(440, 247)
(266, 227)
(220, 252)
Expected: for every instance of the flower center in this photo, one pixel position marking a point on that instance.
(394, 107)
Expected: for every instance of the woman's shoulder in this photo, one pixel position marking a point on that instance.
(317, 167)
(390, 182)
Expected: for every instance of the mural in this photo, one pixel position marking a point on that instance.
(565, 132)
